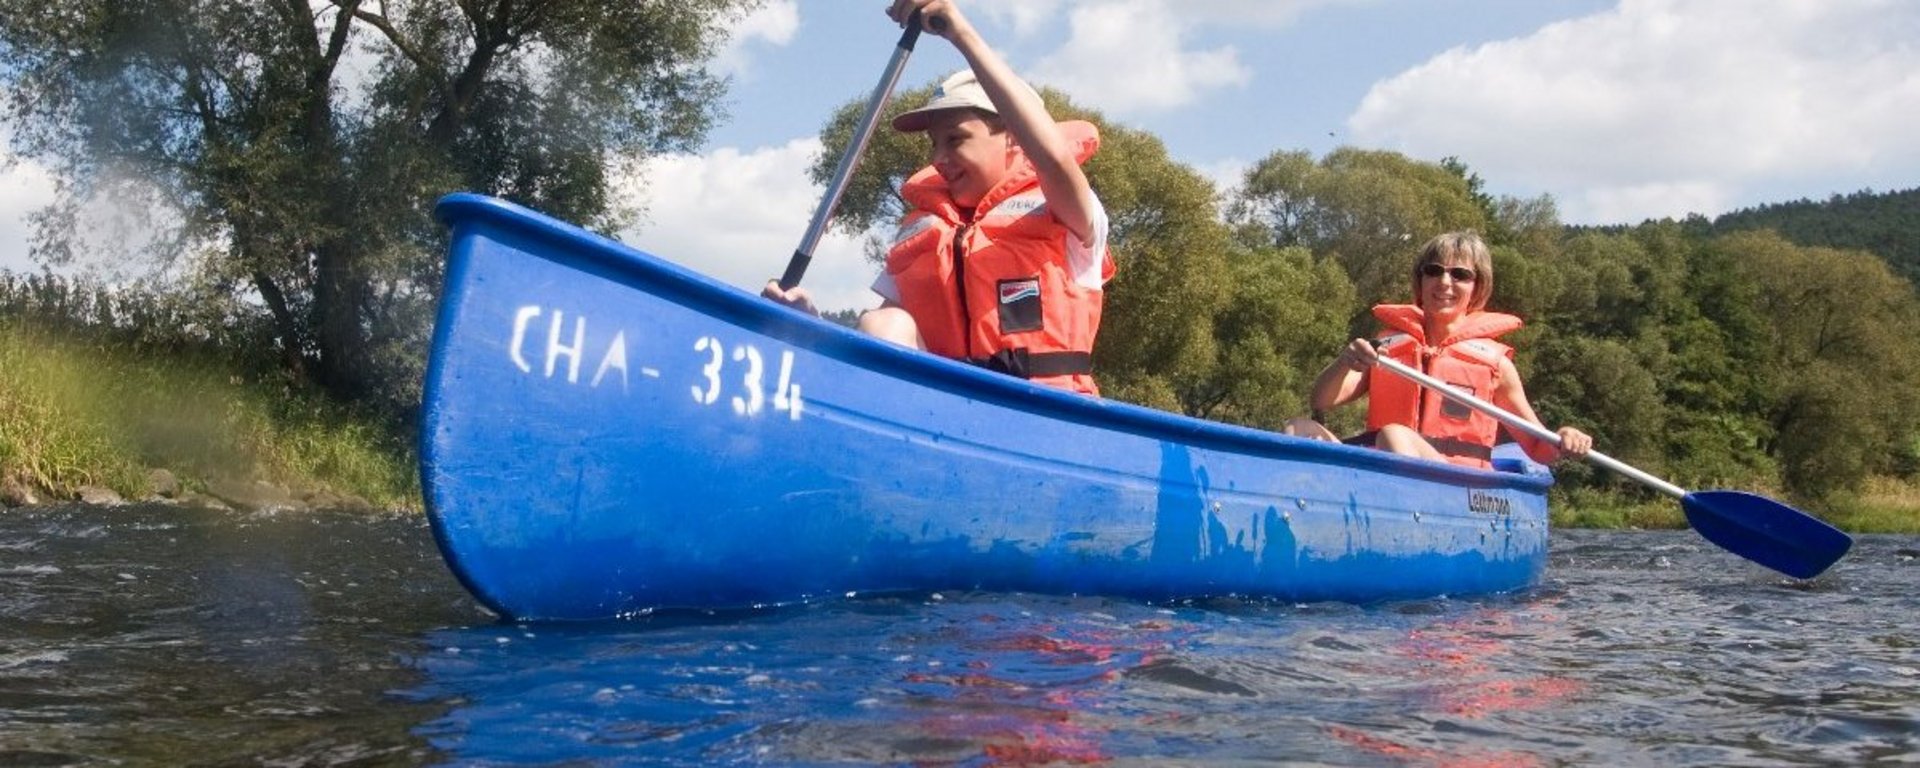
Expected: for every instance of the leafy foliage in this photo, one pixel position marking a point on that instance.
(293, 191)
(1367, 210)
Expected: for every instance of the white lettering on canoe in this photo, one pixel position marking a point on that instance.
(520, 320)
(616, 357)
(711, 393)
(755, 397)
(751, 366)
(612, 358)
(737, 375)
(555, 350)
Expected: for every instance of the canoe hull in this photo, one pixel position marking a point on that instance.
(605, 433)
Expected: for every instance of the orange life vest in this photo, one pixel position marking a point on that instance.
(997, 291)
(1469, 360)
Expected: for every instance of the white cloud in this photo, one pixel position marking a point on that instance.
(1227, 176)
(1633, 203)
(1132, 56)
(1024, 17)
(1668, 107)
(774, 23)
(1252, 14)
(25, 187)
(1143, 56)
(737, 217)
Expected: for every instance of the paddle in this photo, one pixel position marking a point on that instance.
(837, 186)
(1754, 527)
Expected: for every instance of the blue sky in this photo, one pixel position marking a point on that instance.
(1621, 110)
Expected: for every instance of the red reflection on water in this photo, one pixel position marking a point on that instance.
(1403, 753)
(1458, 652)
(1024, 698)
(1457, 657)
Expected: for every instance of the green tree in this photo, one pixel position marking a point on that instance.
(1620, 286)
(1843, 365)
(1367, 210)
(1600, 386)
(1285, 317)
(1715, 389)
(292, 187)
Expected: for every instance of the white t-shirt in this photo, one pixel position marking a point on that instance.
(1085, 261)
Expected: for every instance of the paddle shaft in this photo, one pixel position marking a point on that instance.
(837, 186)
(1514, 421)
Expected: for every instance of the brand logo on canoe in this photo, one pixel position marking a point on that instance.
(1015, 290)
(1489, 503)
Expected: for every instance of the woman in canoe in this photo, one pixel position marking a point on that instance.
(1002, 257)
(1447, 333)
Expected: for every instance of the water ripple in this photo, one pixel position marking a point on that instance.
(144, 635)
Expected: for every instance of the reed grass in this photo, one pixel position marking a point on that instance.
(1597, 508)
(76, 413)
(1882, 505)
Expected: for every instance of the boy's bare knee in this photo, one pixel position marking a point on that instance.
(1301, 426)
(892, 324)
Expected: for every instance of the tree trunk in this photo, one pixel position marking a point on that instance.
(342, 340)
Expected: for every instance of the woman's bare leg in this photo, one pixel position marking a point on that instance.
(1401, 439)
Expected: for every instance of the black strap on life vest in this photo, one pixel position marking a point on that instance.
(1449, 446)
(1027, 365)
(1452, 446)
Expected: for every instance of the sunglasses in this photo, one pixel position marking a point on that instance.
(1459, 274)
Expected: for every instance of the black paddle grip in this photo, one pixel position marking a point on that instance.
(796, 268)
(912, 33)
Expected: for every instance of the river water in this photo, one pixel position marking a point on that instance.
(148, 635)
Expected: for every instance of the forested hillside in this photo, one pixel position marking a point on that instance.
(1885, 223)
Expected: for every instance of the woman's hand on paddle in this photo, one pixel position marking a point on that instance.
(1575, 443)
(796, 297)
(1359, 355)
(1344, 380)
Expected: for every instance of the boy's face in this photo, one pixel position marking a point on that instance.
(968, 153)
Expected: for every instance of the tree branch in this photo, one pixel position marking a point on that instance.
(380, 22)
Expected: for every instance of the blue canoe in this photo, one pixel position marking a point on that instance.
(605, 433)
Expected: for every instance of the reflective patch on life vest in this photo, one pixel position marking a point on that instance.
(1487, 352)
(1020, 304)
(1015, 290)
(912, 226)
(1453, 409)
(1023, 204)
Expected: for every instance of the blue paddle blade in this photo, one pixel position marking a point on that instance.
(1766, 531)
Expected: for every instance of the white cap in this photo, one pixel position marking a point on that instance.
(961, 90)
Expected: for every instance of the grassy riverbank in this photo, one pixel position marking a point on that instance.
(74, 415)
